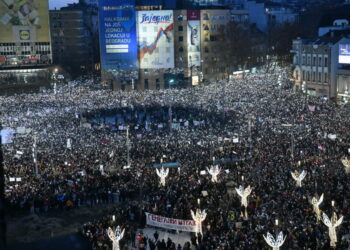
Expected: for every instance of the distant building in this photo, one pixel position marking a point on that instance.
(24, 34)
(269, 14)
(318, 68)
(25, 44)
(71, 40)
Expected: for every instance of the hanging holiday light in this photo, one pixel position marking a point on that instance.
(162, 175)
(316, 206)
(214, 171)
(244, 193)
(275, 244)
(199, 217)
(346, 164)
(298, 177)
(332, 224)
(115, 237)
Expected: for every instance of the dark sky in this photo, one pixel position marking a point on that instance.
(60, 3)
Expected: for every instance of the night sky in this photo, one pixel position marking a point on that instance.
(60, 3)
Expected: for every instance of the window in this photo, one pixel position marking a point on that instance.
(320, 61)
(181, 28)
(326, 62)
(181, 38)
(181, 49)
(308, 76)
(319, 77)
(314, 76)
(206, 50)
(325, 77)
(146, 84)
(314, 64)
(304, 60)
(180, 17)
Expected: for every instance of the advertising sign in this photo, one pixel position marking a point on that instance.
(24, 21)
(118, 46)
(170, 223)
(193, 38)
(155, 39)
(344, 53)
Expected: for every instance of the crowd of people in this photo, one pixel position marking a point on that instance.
(254, 128)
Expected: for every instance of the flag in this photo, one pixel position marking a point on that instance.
(321, 147)
(332, 136)
(69, 143)
(6, 136)
(311, 107)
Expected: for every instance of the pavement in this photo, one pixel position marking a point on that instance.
(68, 242)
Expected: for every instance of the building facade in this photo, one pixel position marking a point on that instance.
(184, 51)
(72, 40)
(317, 70)
(24, 34)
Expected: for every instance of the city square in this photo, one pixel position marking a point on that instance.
(160, 146)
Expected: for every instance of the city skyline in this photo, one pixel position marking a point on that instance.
(60, 3)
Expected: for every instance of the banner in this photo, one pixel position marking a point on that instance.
(193, 38)
(170, 223)
(117, 20)
(6, 135)
(155, 39)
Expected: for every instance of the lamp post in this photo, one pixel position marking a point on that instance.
(298, 177)
(35, 155)
(244, 193)
(128, 147)
(115, 237)
(2, 199)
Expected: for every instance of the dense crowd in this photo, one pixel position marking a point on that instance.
(253, 127)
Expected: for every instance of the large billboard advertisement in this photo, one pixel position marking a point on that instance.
(24, 21)
(344, 53)
(155, 39)
(193, 38)
(118, 46)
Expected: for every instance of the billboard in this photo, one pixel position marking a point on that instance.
(344, 53)
(155, 39)
(24, 21)
(118, 47)
(193, 38)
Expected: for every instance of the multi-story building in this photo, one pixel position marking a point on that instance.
(318, 71)
(269, 14)
(25, 44)
(24, 34)
(72, 40)
(214, 64)
(183, 48)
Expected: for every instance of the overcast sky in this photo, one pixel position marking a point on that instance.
(60, 3)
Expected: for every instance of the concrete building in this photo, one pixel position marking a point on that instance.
(268, 14)
(317, 69)
(214, 61)
(71, 40)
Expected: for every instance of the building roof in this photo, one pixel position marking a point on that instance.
(332, 37)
